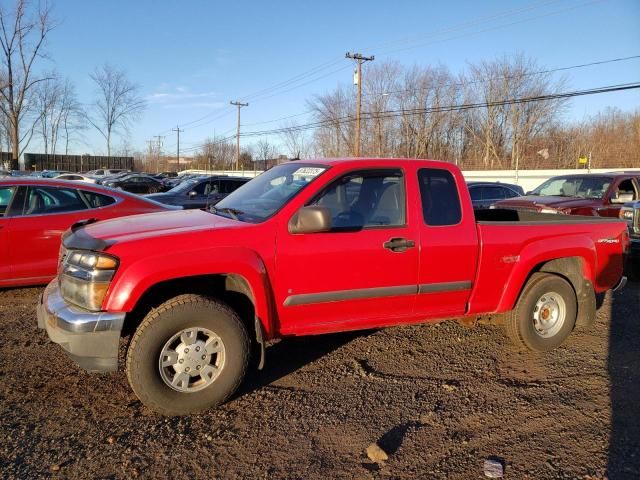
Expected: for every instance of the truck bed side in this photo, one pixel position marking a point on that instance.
(510, 251)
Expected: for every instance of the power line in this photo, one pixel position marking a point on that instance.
(464, 25)
(496, 27)
(276, 89)
(461, 107)
(419, 111)
(527, 74)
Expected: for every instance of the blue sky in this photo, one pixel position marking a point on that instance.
(192, 57)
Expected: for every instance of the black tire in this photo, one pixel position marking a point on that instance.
(519, 323)
(163, 323)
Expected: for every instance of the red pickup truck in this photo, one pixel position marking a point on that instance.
(598, 194)
(314, 247)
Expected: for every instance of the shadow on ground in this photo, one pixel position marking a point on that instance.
(624, 374)
(291, 354)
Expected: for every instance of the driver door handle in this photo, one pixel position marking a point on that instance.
(398, 244)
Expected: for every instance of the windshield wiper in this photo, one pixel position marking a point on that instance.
(233, 212)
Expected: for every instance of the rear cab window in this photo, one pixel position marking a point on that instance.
(440, 198)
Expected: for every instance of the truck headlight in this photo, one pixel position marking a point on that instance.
(85, 277)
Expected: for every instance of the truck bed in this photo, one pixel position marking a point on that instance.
(514, 243)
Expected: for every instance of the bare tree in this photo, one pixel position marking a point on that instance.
(22, 38)
(72, 115)
(118, 102)
(265, 151)
(58, 112)
(295, 140)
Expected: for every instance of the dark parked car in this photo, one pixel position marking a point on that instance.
(485, 194)
(137, 183)
(175, 181)
(200, 191)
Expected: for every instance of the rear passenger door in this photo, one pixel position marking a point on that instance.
(448, 245)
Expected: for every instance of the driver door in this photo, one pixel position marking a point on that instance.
(351, 276)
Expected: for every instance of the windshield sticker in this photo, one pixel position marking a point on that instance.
(308, 172)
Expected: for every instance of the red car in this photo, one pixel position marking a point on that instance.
(595, 194)
(35, 212)
(316, 247)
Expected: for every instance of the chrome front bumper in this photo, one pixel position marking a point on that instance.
(90, 338)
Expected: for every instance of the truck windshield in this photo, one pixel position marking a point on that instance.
(577, 186)
(263, 196)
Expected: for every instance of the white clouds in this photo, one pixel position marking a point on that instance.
(182, 97)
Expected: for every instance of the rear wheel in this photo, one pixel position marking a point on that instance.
(188, 355)
(544, 315)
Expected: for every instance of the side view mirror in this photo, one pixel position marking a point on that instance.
(622, 197)
(311, 219)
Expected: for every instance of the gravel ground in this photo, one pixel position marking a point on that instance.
(438, 400)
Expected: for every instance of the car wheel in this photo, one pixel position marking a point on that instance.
(188, 355)
(544, 315)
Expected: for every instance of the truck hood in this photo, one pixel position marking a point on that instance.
(101, 235)
(532, 201)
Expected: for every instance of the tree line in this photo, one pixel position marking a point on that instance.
(433, 119)
(471, 119)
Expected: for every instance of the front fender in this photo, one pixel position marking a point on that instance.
(542, 251)
(132, 281)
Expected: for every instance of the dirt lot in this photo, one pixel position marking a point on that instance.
(438, 400)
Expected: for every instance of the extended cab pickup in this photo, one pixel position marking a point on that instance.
(314, 247)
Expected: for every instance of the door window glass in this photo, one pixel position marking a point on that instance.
(626, 188)
(494, 193)
(476, 193)
(440, 199)
(372, 199)
(97, 200)
(41, 200)
(5, 198)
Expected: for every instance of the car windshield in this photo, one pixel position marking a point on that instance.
(263, 196)
(579, 186)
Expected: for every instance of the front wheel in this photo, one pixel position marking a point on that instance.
(188, 355)
(544, 315)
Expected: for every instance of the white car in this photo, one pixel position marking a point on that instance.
(105, 172)
(76, 177)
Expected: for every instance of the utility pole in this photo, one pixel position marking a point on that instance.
(150, 142)
(177, 130)
(359, 59)
(159, 145)
(239, 105)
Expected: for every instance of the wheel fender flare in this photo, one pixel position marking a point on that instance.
(542, 251)
(133, 281)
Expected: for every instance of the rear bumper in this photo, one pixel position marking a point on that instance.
(90, 338)
(634, 248)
